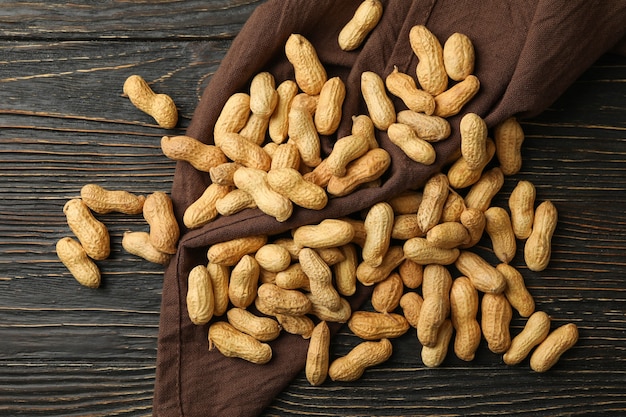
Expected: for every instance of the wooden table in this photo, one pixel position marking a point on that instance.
(66, 350)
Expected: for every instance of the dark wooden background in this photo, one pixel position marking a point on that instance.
(66, 350)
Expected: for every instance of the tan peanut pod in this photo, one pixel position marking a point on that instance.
(279, 121)
(370, 325)
(325, 234)
(103, 201)
(458, 56)
(535, 331)
(522, 207)
(379, 105)
(538, 247)
(364, 355)
(158, 211)
(233, 343)
(263, 95)
(290, 183)
(330, 256)
(254, 181)
(300, 325)
(448, 235)
(452, 208)
(320, 175)
(220, 275)
(272, 257)
(201, 156)
(362, 125)
(461, 176)
(436, 306)
(430, 128)
(430, 71)
(496, 314)
(451, 101)
(359, 230)
(417, 149)
(200, 299)
(309, 71)
(204, 210)
(464, 305)
(403, 86)
(318, 355)
(370, 275)
(234, 201)
(160, 106)
(474, 221)
(369, 167)
(509, 137)
(378, 226)
(411, 273)
(138, 244)
(239, 149)
(255, 130)
(345, 271)
(92, 234)
(322, 312)
(480, 194)
(548, 353)
(276, 300)
(421, 251)
(230, 252)
(484, 277)
(411, 305)
(473, 130)
(405, 227)
(329, 106)
(292, 247)
(305, 102)
(263, 329)
(433, 356)
(516, 291)
(303, 134)
(292, 278)
(346, 150)
(320, 279)
(270, 148)
(76, 260)
(222, 174)
(498, 227)
(244, 280)
(434, 197)
(387, 293)
(286, 155)
(363, 21)
(233, 116)
(267, 276)
(406, 202)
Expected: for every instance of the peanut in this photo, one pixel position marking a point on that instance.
(255, 130)
(138, 244)
(464, 309)
(160, 106)
(320, 175)
(229, 252)
(448, 235)
(451, 101)
(480, 194)
(552, 348)
(90, 232)
(362, 125)
(306, 103)
(458, 56)
(473, 130)
(328, 113)
(346, 150)
(516, 291)
(509, 137)
(185, 148)
(411, 273)
(452, 208)
(220, 275)
(263, 329)
(436, 306)
(300, 325)
(474, 221)
(327, 233)
(222, 174)
(496, 314)
(421, 251)
(309, 72)
(433, 356)
(345, 271)
(286, 155)
(498, 227)
(290, 183)
(76, 260)
(387, 293)
(364, 355)
(254, 181)
(534, 332)
(233, 343)
(322, 312)
(379, 105)
(403, 86)
(370, 275)
(369, 167)
(483, 276)
(240, 150)
(417, 149)
(272, 300)
(430, 128)
(430, 71)
(411, 304)
(434, 197)
(461, 176)
(234, 201)
(279, 121)
(538, 247)
(244, 280)
(522, 207)
(233, 116)
(370, 325)
(364, 20)
(320, 279)
(293, 277)
(378, 226)
(263, 95)
(200, 299)
(406, 202)
(204, 209)
(318, 354)
(405, 227)
(103, 201)
(303, 134)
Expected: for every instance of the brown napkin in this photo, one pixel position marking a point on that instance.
(528, 52)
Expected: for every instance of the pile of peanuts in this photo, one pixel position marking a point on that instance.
(266, 155)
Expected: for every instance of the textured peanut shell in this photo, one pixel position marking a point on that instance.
(320, 279)
(417, 149)
(509, 137)
(434, 196)
(75, 259)
(138, 244)
(345, 271)
(236, 344)
(436, 305)
(90, 232)
(281, 301)
(234, 201)
(522, 208)
(473, 130)
(370, 325)
(430, 71)
(309, 72)
(279, 122)
(204, 210)
(370, 275)
(240, 150)
(229, 252)
(498, 227)
(433, 356)
(534, 332)
(379, 105)
(362, 356)
(290, 183)
(273, 258)
(482, 192)
(200, 299)
(103, 201)
(378, 227)
(362, 125)
(346, 150)
(327, 233)
(458, 56)
(244, 280)
(160, 106)
(387, 293)
(263, 329)
(254, 181)
(403, 86)
(464, 303)
(496, 314)
(303, 134)
(233, 116)
(369, 167)
(220, 275)
(329, 106)
(263, 95)
(516, 291)
(430, 128)
(364, 20)
(201, 156)
(318, 354)
(548, 353)
(484, 277)
(451, 101)
(538, 247)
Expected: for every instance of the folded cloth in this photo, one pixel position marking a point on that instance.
(527, 54)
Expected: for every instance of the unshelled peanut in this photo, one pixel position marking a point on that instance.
(318, 354)
(364, 355)
(458, 56)
(538, 247)
(102, 200)
(138, 244)
(310, 74)
(430, 71)
(158, 211)
(201, 156)
(236, 344)
(92, 234)
(534, 332)
(200, 299)
(76, 260)
(547, 354)
(363, 21)
(160, 106)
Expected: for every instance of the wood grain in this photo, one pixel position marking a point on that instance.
(66, 350)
